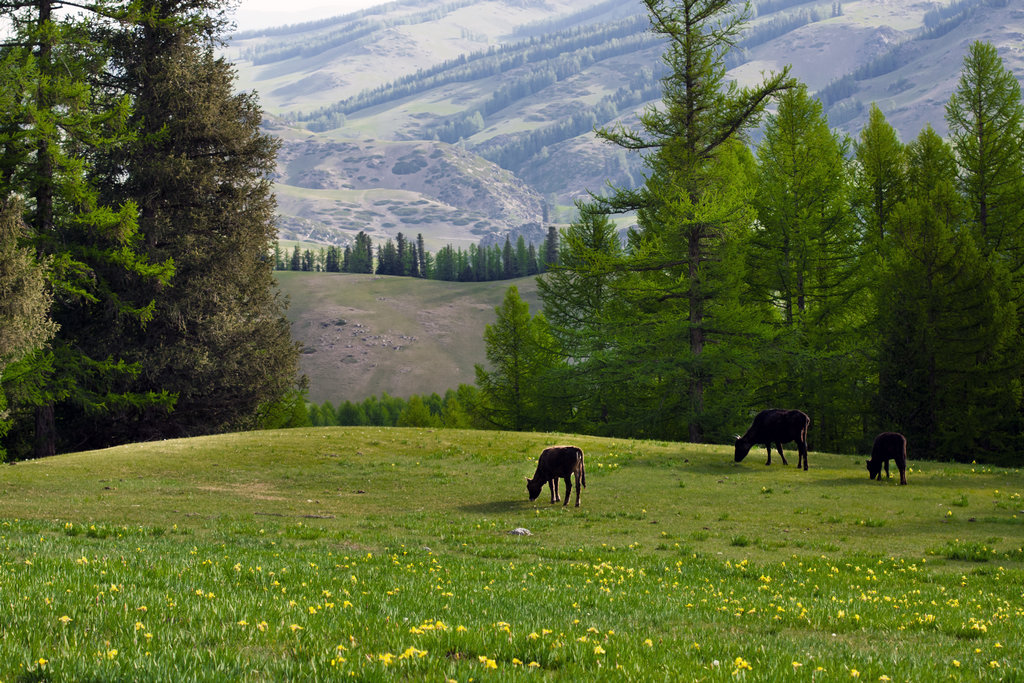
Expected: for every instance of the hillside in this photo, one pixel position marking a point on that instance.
(364, 335)
(386, 554)
(469, 118)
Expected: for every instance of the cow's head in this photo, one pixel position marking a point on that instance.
(741, 448)
(533, 487)
(874, 469)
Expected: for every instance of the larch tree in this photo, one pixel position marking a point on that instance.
(691, 213)
(879, 177)
(947, 320)
(576, 294)
(521, 356)
(803, 266)
(58, 124)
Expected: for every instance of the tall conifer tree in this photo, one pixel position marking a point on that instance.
(692, 216)
(803, 264)
(58, 123)
(946, 321)
(200, 173)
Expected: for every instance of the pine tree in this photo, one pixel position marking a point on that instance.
(199, 172)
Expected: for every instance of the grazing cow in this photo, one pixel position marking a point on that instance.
(888, 446)
(776, 426)
(558, 462)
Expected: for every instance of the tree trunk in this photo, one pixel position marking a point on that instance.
(46, 432)
(696, 338)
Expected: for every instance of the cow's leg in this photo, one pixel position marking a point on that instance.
(903, 473)
(802, 450)
(578, 488)
(886, 469)
(553, 488)
(769, 448)
(568, 489)
(778, 444)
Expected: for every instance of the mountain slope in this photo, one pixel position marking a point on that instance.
(521, 84)
(365, 335)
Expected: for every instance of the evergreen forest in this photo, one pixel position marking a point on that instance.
(875, 284)
(136, 219)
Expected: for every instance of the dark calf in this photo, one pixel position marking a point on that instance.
(558, 462)
(776, 426)
(888, 446)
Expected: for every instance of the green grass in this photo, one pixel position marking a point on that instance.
(385, 553)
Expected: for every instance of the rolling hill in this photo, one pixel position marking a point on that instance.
(460, 119)
(364, 335)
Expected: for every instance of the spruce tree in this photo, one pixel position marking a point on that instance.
(200, 173)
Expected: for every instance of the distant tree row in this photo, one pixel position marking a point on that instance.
(454, 411)
(938, 22)
(480, 263)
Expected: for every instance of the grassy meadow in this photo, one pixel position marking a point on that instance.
(376, 554)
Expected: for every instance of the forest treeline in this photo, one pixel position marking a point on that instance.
(402, 257)
(874, 283)
(137, 301)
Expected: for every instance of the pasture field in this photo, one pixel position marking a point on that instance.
(380, 554)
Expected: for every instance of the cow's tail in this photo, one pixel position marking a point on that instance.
(583, 469)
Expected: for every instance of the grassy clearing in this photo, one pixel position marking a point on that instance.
(377, 553)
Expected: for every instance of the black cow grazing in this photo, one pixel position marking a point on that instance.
(558, 462)
(776, 426)
(888, 446)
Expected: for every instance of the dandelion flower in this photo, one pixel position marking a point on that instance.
(648, 642)
(598, 650)
(295, 627)
(854, 673)
(65, 619)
